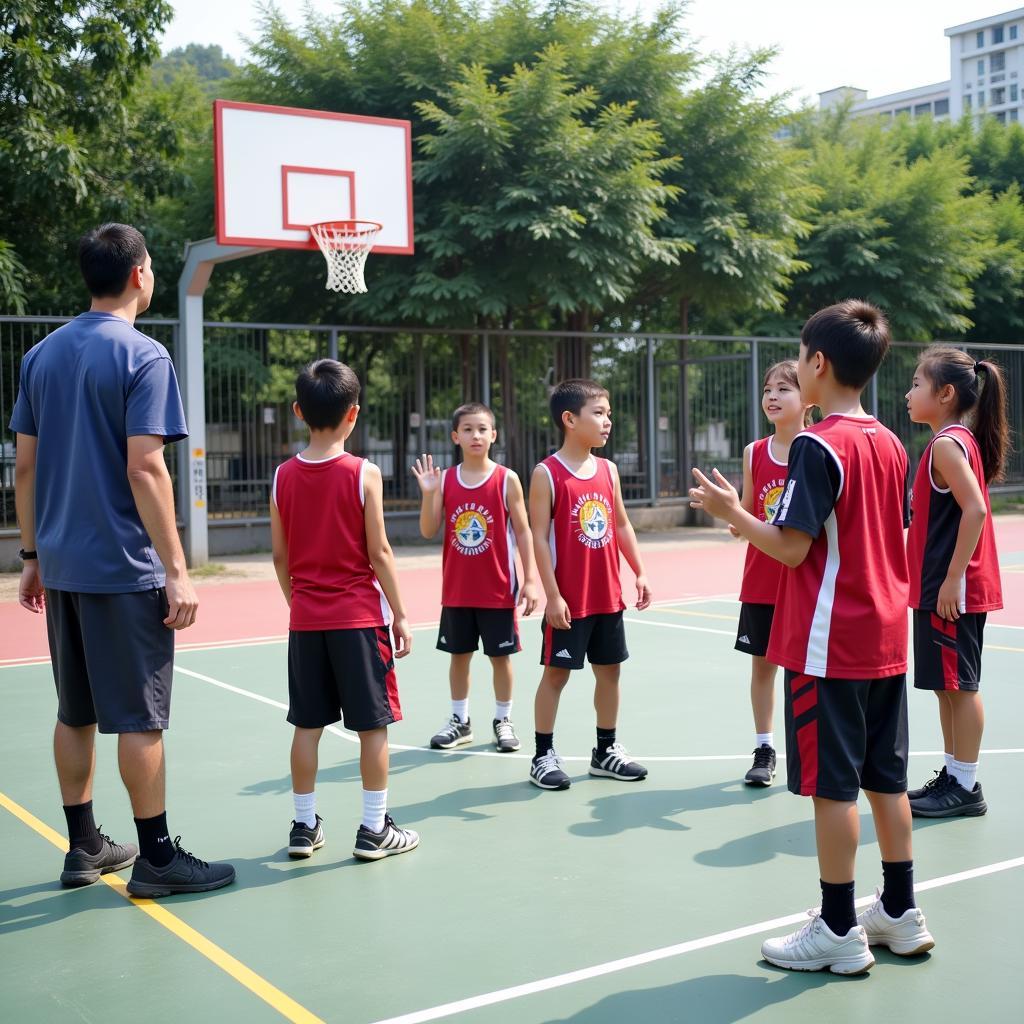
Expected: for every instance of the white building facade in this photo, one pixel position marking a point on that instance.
(986, 61)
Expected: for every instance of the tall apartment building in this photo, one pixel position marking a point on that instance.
(986, 59)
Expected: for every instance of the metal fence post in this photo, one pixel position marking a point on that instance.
(652, 427)
(873, 396)
(755, 389)
(332, 344)
(421, 395)
(485, 370)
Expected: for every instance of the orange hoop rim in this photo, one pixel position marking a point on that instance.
(348, 227)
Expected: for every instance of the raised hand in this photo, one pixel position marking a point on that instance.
(428, 476)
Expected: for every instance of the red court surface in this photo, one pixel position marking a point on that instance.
(255, 609)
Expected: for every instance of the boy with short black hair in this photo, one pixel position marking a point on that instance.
(840, 632)
(483, 511)
(579, 525)
(337, 573)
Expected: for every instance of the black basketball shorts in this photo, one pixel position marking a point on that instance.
(754, 629)
(462, 629)
(601, 639)
(947, 655)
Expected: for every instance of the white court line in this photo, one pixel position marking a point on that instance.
(504, 995)
(353, 738)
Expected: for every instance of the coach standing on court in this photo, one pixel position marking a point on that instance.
(97, 402)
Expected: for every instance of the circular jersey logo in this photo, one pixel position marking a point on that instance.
(593, 518)
(771, 503)
(471, 529)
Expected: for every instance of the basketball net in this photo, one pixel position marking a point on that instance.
(345, 245)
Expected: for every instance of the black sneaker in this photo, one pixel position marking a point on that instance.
(762, 771)
(950, 801)
(185, 873)
(546, 772)
(81, 868)
(615, 763)
(505, 738)
(386, 843)
(942, 778)
(303, 840)
(454, 733)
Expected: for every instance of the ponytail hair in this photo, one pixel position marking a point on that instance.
(980, 394)
(787, 370)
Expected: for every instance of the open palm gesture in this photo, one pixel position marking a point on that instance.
(428, 476)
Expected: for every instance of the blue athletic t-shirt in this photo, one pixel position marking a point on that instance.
(85, 389)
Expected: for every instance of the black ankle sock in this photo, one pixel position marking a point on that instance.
(605, 738)
(82, 831)
(837, 910)
(545, 742)
(898, 887)
(154, 840)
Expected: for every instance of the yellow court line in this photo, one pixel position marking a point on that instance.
(260, 987)
(702, 615)
(996, 647)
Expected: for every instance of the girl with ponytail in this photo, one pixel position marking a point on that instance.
(951, 551)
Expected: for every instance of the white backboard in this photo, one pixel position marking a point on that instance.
(280, 169)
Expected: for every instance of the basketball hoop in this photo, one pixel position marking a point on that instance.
(345, 245)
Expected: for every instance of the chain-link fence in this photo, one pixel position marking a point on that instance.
(677, 400)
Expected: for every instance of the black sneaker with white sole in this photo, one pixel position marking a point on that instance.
(454, 733)
(940, 780)
(950, 801)
(615, 763)
(185, 873)
(505, 738)
(546, 772)
(303, 840)
(389, 841)
(762, 771)
(81, 868)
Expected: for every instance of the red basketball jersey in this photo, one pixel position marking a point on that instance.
(761, 573)
(478, 564)
(842, 613)
(933, 531)
(321, 509)
(584, 546)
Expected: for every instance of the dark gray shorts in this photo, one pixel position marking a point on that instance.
(113, 658)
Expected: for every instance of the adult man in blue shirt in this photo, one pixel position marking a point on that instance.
(102, 558)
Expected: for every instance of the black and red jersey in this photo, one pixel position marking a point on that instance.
(842, 613)
(933, 534)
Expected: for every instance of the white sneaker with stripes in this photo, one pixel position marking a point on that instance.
(907, 935)
(615, 763)
(816, 947)
(386, 843)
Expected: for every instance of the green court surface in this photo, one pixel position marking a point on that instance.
(609, 902)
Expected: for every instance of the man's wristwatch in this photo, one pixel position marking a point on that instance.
(27, 556)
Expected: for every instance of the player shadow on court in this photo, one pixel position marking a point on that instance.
(713, 999)
(342, 771)
(795, 839)
(643, 807)
(53, 904)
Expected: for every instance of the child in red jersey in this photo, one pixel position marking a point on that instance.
(482, 508)
(954, 569)
(764, 479)
(840, 631)
(579, 525)
(337, 573)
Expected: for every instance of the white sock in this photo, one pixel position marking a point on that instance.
(305, 808)
(949, 762)
(375, 804)
(461, 708)
(965, 772)
(764, 739)
(502, 709)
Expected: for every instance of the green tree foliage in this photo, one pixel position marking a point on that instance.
(741, 200)
(900, 229)
(209, 63)
(82, 139)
